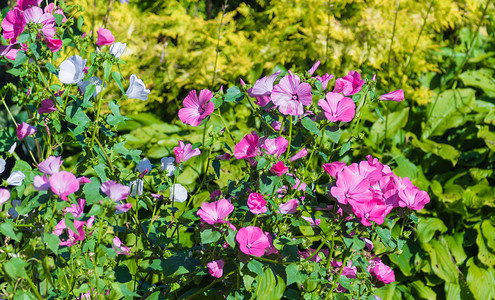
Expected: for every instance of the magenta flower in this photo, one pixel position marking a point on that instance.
(275, 146)
(349, 85)
(256, 203)
(122, 208)
(334, 168)
(4, 196)
(41, 183)
(119, 247)
(77, 210)
(73, 237)
(53, 44)
(290, 95)
(196, 109)
(105, 37)
(115, 191)
(252, 241)
(47, 106)
(316, 258)
(50, 166)
(184, 152)
(351, 187)
(279, 168)
(381, 271)
(24, 129)
(36, 15)
(324, 80)
(63, 184)
(215, 212)
(371, 210)
(9, 52)
(338, 107)
(263, 86)
(299, 154)
(396, 96)
(13, 25)
(215, 268)
(24, 4)
(413, 198)
(290, 207)
(247, 147)
(312, 222)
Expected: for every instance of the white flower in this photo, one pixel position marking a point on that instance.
(167, 163)
(137, 187)
(144, 165)
(178, 193)
(137, 89)
(12, 148)
(117, 49)
(16, 178)
(2, 165)
(12, 211)
(92, 80)
(71, 70)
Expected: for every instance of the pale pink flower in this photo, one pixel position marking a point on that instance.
(73, 237)
(290, 207)
(381, 271)
(279, 168)
(47, 106)
(13, 25)
(83, 180)
(196, 108)
(105, 37)
(324, 80)
(51, 165)
(351, 187)
(4, 196)
(312, 222)
(263, 86)
(271, 248)
(349, 85)
(338, 107)
(122, 208)
(24, 129)
(77, 210)
(313, 68)
(215, 268)
(119, 247)
(9, 52)
(184, 152)
(302, 153)
(256, 203)
(275, 146)
(252, 241)
(413, 198)
(290, 95)
(36, 15)
(63, 184)
(41, 183)
(334, 168)
(247, 147)
(396, 96)
(215, 212)
(115, 191)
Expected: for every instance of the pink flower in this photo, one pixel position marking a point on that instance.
(290, 95)
(63, 184)
(36, 15)
(225, 156)
(381, 271)
(196, 109)
(105, 37)
(215, 194)
(324, 80)
(24, 4)
(279, 168)
(77, 209)
(122, 208)
(50, 166)
(252, 241)
(262, 89)
(115, 191)
(349, 85)
(275, 146)
(215, 212)
(334, 168)
(371, 210)
(50, 9)
(299, 154)
(41, 183)
(83, 180)
(73, 237)
(4, 196)
(184, 152)
(53, 44)
(47, 106)
(351, 187)
(313, 68)
(119, 247)
(271, 248)
(338, 107)
(256, 203)
(313, 222)
(247, 147)
(349, 271)
(413, 198)
(290, 207)
(9, 52)
(316, 258)
(396, 96)
(215, 268)
(24, 129)
(13, 25)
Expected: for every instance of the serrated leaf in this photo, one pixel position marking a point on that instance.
(234, 94)
(310, 125)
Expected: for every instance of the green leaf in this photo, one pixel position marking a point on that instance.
(255, 267)
(217, 101)
(269, 184)
(422, 290)
(58, 18)
(117, 78)
(35, 49)
(92, 191)
(427, 228)
(80, 22)
(441, 263)
(480, 281)
(52, 242)
(115, 118)
(96, 210)
(8, 230)
(455, 246)
(310, 125)
(76, 116)
(51, 68)
(209, 235)
(15, 268)
(268, 286)
(485, 254)
(216, 167)
(481, 78)
(107, 69)
(487, 135)
(88, 94)
(154, 296)
(334, 133)
(20, 58)
(345, 147)
(294, 275)
(389, 126)
(234, 94)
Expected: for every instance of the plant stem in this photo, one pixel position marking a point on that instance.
(33, 287)
(392, 40)
(98, 110)
(290, 139)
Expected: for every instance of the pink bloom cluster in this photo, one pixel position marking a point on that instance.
(372, 190)
(196, 109)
